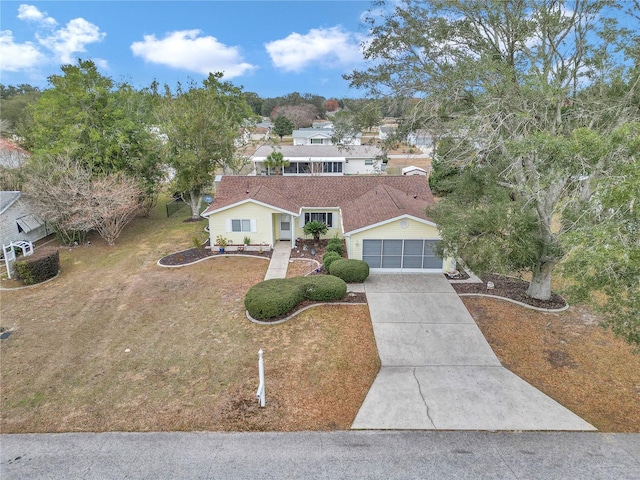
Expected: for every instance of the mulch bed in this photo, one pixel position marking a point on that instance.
(509, 287)
(304, 246)
(194, 254)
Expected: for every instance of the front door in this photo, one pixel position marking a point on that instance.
(285, 226)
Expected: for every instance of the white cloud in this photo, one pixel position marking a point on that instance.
(30, 13)
(63, 42)
(325, 46)
(73, 38)
(187, 50)
(17, 56)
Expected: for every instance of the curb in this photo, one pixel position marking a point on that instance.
(531, 307)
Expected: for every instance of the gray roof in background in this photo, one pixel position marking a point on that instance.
(324, 151)
(7, 198)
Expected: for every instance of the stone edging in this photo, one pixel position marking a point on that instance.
(30, 286)
(282, 320)
(318, 264)
(209, 257)
(539, 309)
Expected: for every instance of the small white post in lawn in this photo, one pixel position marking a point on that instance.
(261, 392)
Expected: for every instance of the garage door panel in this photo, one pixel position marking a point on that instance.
(392, 247)
(413, 247)
(412, 261)
(411, 254)
(373, 261)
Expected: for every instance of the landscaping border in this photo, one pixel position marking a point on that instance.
(539, 309)
(282, 320)
(219, 255)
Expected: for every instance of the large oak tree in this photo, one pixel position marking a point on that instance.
(524, 91)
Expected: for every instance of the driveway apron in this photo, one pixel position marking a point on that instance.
(439, 372)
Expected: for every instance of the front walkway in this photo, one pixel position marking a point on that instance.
(279, 260)
(439, 372)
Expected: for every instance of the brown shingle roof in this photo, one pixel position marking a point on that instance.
(364, 200)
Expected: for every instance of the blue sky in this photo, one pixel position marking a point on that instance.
(268, 47)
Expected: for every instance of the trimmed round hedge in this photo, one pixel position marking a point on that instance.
(329, 258)
(349, 270)
(335, 245)
(322, 287)
(278, 296)
(273, 298)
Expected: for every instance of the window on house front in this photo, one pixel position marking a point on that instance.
(324, 217)
(243, 225)
(332, 167)
(368, 161)
(316, 141)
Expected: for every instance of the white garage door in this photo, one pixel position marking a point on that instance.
(401, 255)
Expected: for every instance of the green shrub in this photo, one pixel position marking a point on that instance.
(335, 247)
(273, 298)
(278, 296)
(334, 241)
(322, 287)
(42, 265)
(351, 271)
(329, 258)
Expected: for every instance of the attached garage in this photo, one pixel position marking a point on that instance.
(401, 254)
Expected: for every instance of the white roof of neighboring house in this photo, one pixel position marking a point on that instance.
(411, 168)
(325, 151)
(8, 198)
(312, 133)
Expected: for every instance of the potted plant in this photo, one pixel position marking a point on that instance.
(221, 242)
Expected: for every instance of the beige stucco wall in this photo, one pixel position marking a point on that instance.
(262, 215)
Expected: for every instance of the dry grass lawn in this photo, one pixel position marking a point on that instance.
(117, 343)
(567, 356)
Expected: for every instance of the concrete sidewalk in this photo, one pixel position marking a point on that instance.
(279, 261)
(439, 372)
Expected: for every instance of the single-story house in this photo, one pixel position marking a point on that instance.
(381, 218)
(17, 221)
(421, 139)
(330, 160)
(413, 170)
(322, 136)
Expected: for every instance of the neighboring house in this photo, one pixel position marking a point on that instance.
(329, 160)
(321, 136)
(17, 222)
(381, 218)
(411, 170)
(11, 155)
(421, 139)
(385, 131)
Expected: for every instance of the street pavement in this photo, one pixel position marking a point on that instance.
(438, 371)
(322, 455)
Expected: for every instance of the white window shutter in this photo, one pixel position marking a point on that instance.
(229, 228)
(254, 227)
(301, 220)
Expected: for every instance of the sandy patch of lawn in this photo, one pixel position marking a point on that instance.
(117, 343)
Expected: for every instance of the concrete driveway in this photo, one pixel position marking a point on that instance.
(439, 372)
